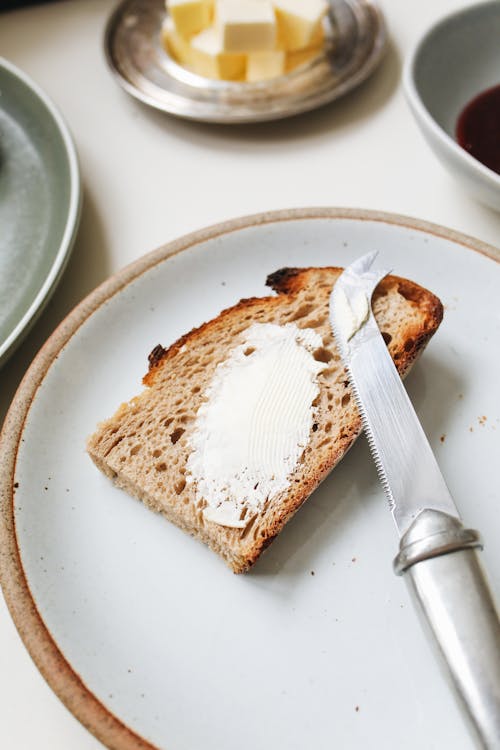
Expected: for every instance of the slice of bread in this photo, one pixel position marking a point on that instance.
(144, 448)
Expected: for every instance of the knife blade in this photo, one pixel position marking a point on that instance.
(437, 554)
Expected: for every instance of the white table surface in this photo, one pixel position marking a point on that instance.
(149, 178)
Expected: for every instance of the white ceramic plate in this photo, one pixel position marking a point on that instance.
(142, 631)
(40, 200)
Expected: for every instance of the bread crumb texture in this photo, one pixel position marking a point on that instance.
(144, 447)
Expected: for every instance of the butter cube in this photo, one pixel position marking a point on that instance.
(264, 65)
(176, 44)
(190, 16)
(317, 37)
(210, 60)
(305, 55)
(302, 57)
(245, 25)
(299, 22)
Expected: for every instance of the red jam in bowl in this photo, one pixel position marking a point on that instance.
(478, 128)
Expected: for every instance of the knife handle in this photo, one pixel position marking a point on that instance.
(452, 593)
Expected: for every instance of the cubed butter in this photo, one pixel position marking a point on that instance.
(210, 60)
(190, 16)
(317, 37)
(299, 22)
(264, 65)
(176, 44)
(302, 57)
(245, 25)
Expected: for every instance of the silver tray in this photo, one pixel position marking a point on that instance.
(356, 39)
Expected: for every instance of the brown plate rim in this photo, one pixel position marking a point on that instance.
(58, 673)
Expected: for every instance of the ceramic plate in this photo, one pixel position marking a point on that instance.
(356, 39)
(143, 632)
(39, 202)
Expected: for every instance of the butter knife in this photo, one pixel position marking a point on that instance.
(438, 555)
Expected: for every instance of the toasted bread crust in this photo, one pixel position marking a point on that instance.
(408, 315)
(283, 280)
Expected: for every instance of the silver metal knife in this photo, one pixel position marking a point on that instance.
(437, 554)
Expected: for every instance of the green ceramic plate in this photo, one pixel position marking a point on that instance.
(39, 202)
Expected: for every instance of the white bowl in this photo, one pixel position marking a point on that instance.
(455, 60)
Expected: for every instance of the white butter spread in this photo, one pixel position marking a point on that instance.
(255, 422)
(351, 313)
